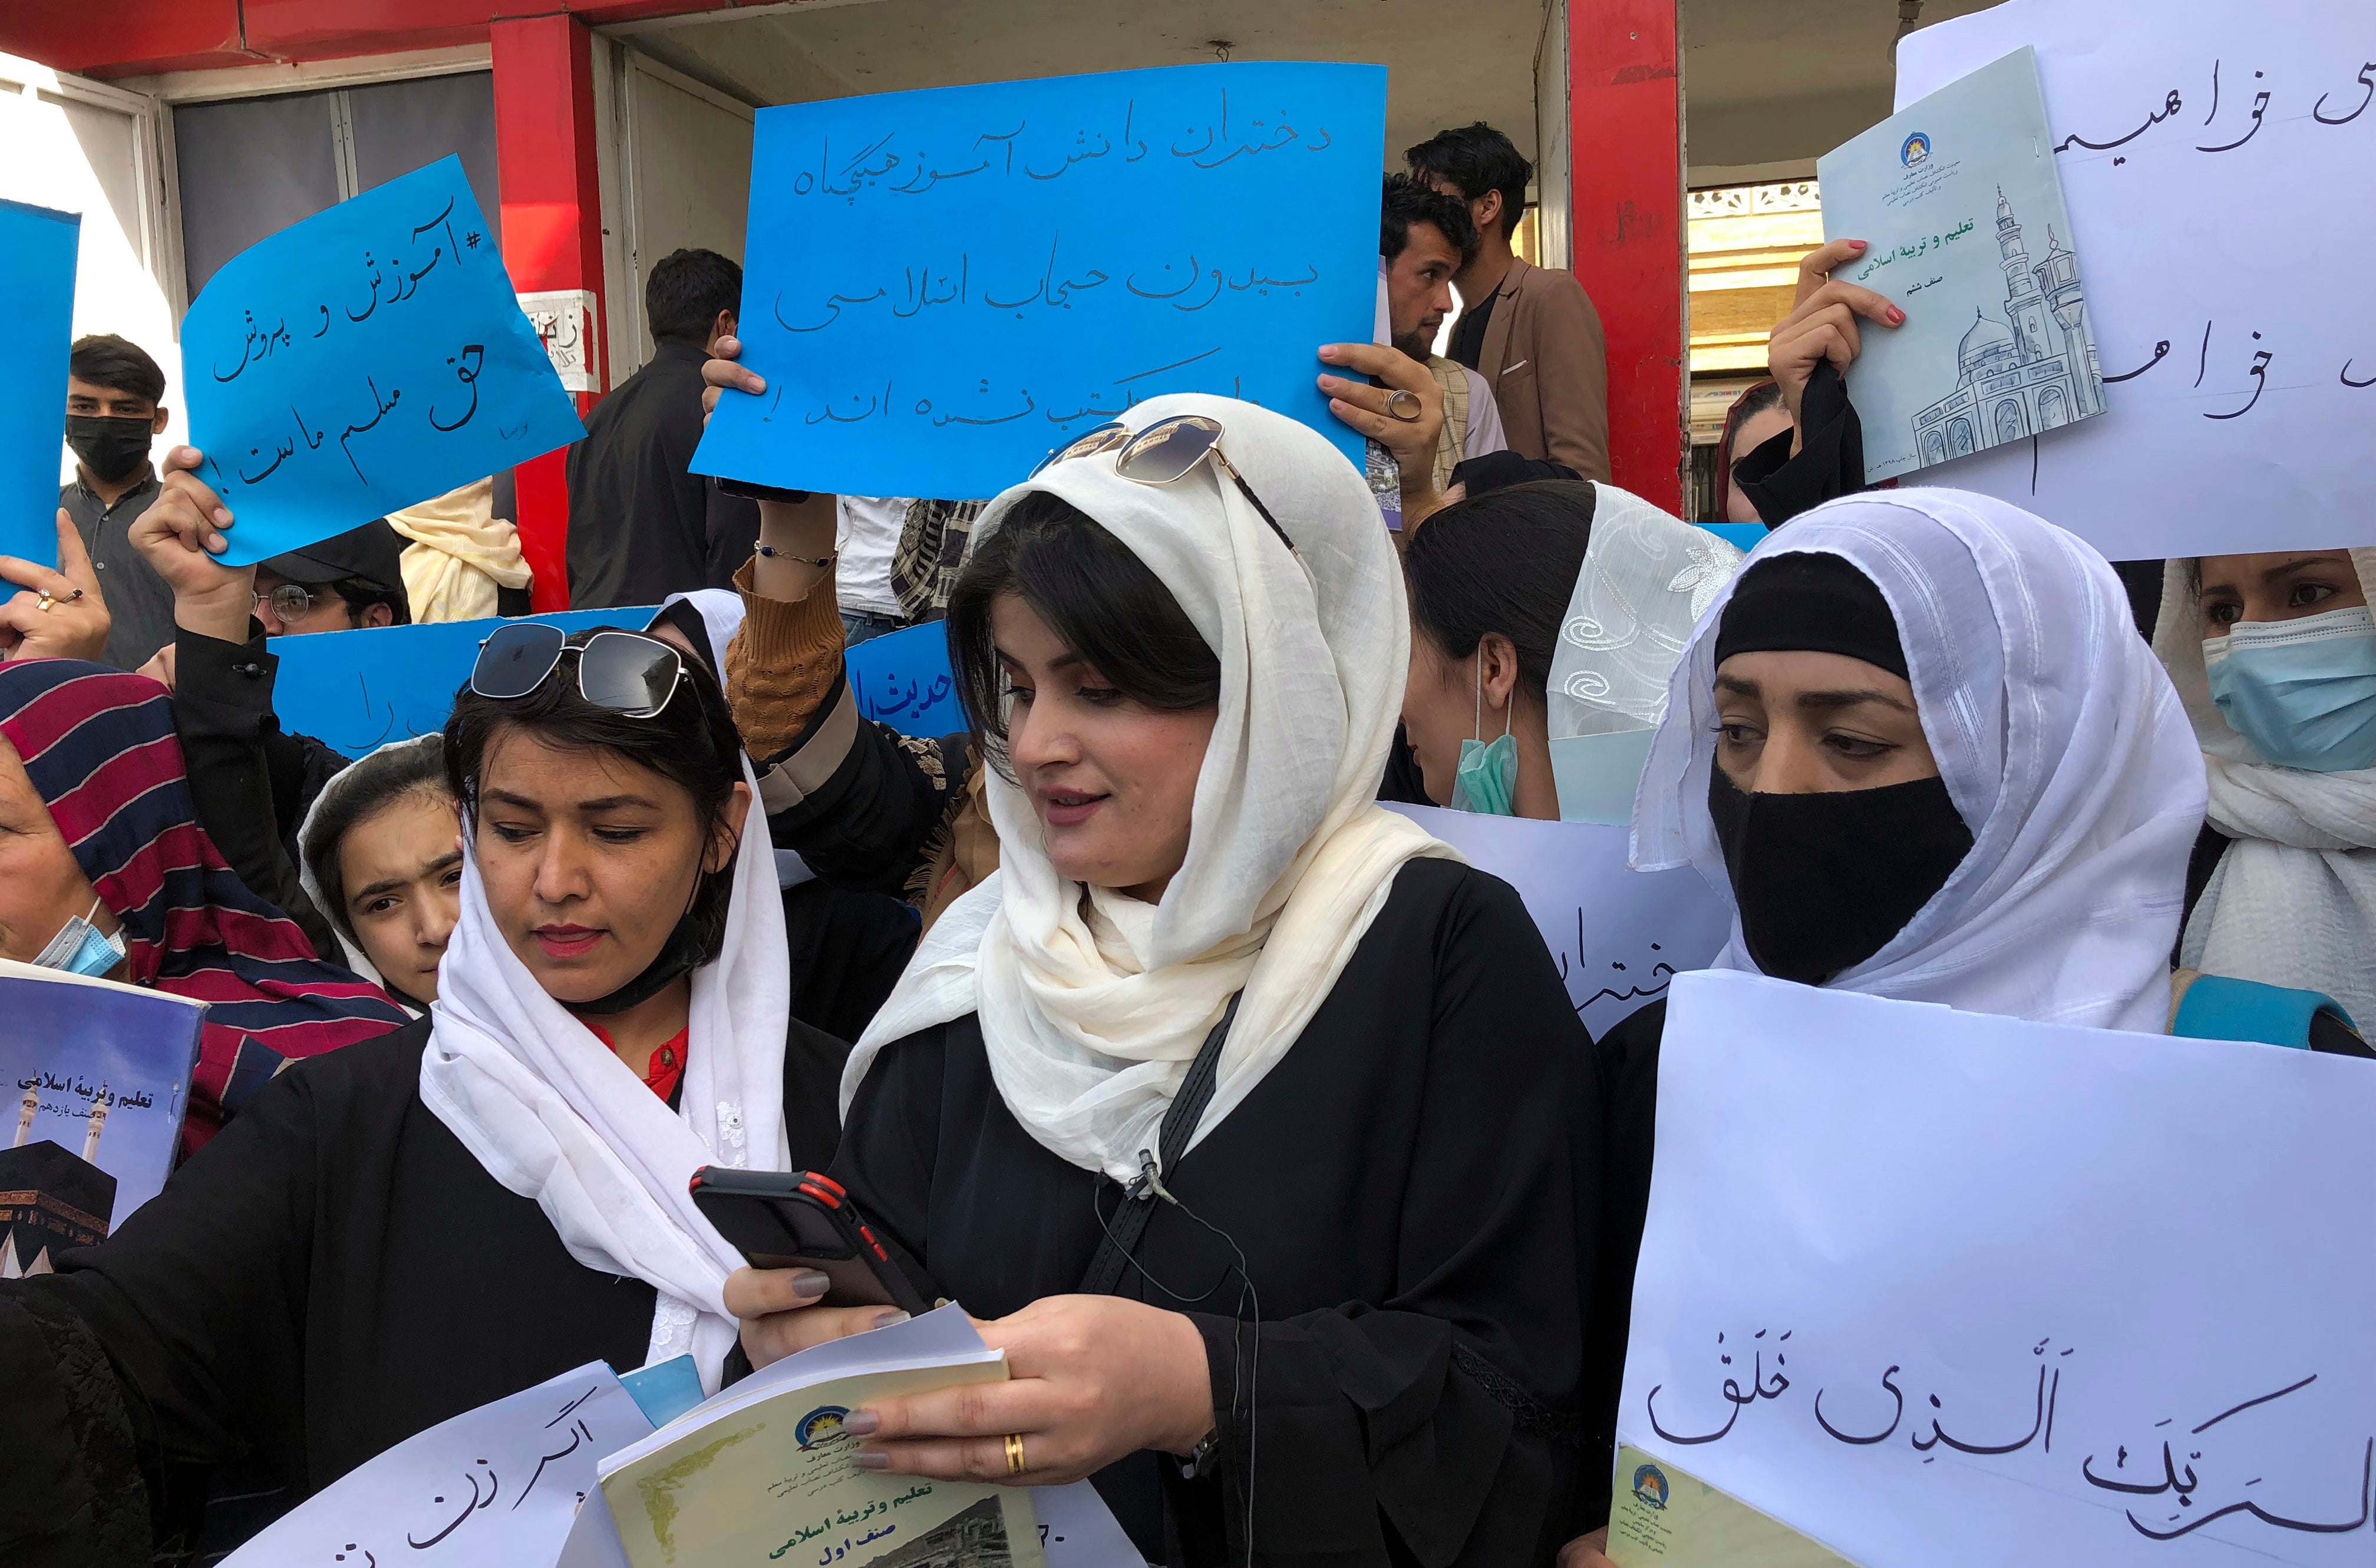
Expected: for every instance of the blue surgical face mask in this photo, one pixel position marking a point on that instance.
(79, 948)
(2303, 691)
(1486, 780)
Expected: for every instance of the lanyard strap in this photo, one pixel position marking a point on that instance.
(1129, 1224)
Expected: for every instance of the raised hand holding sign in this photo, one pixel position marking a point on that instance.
(360, 361)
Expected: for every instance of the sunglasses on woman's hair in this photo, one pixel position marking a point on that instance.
(631, 675)
(1167, 450)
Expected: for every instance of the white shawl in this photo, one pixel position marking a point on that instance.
(1090, 1023)
(1646, 579)
(2294, 900)
(2057, 734)
(552, 1115)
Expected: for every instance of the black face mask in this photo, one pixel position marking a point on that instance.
(111, 449)
(1823, 881)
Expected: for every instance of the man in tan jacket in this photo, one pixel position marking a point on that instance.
(1530, 332)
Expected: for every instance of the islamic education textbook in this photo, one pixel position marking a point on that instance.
(97, 1075)
(1961, 207)
(1664, 1517)
(762, 1473)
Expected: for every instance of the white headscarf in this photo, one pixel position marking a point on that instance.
(1646, 579)
(1090, 1023)
(2294, 900)
(332, 788)
(2057, 735)
(553, 1115)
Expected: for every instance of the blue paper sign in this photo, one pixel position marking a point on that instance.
(354, 691)
(945, 286)
(37, 272)
(902, 679)
(363, 359)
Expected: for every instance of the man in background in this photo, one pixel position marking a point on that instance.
(1424, 238)
(1530, 332)
(640, 520)
(350, 581)
(115, 409)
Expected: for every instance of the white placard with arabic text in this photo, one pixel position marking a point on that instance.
(1619, 935)
(1948, 1291)
(2218, 161)
(563, 319)
(500, 1484)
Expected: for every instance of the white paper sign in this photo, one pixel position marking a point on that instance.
(563, 319)
(1618, 935)
(500, 1484)
(1947, 1290)
(2217, 160)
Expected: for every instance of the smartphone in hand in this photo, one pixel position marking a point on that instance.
(802, 1219)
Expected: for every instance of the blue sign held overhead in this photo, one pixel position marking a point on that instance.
(945, 286)
(368, 358)
(37, 271)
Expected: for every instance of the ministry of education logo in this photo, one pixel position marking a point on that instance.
(1650, 1486)
(1916, 151)
(819, 1425)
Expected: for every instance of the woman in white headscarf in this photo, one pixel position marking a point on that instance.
(2274, 656)
(405, 1228)
(1546, 619)
(1919, 747)
(1317, 1079)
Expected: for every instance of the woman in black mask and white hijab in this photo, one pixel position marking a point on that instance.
(1921, 748)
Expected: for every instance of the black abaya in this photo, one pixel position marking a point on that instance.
(331, 1274)
(1413, 1187)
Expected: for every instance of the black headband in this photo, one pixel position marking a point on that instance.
(1810, 603)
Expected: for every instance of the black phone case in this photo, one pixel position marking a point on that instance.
(799, 1219)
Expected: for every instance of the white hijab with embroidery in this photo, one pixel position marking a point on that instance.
(553, 1115)
(2058, 737)
(2294, 900)
(1091, 1011)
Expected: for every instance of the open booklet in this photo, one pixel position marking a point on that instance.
(763, 1472)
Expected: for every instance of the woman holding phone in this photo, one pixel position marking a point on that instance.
(406, 1227)
(1248, 1114)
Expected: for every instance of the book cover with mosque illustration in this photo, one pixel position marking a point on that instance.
(1960, 205)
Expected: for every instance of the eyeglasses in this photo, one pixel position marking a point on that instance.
(627, 672)
(1166, 451)
(288, 604)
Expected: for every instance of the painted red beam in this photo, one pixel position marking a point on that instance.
(552, 233)
(1625, 142)
(121, 38)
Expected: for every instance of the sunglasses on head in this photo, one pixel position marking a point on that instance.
(631, 675)
(1167, 450)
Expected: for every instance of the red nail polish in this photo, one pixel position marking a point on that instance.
(1896, 315)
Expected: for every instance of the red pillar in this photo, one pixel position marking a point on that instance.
(1625, 149)
(552, 233)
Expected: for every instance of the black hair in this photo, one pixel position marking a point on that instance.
(118, 364)
(1102, 599)
(692, 742)
(1506, 563)
(362, 593)
(686, 291)
(1476, 158)
(369, 787)
(1757, 400)
(1404, 201)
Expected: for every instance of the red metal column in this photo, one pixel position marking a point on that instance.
(1625, 149)
(552, 233)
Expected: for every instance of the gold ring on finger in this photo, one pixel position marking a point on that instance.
(47, 600)
(1403, 404)
(1014, 1465)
